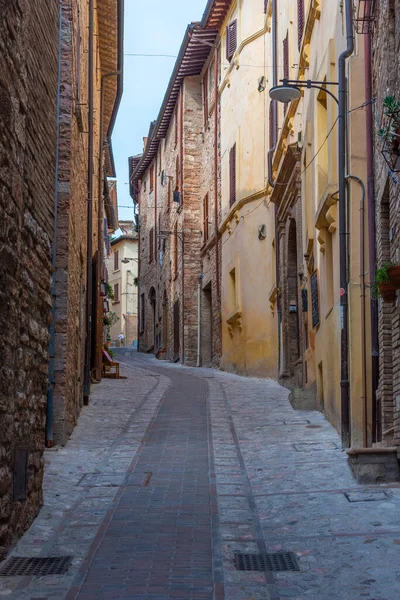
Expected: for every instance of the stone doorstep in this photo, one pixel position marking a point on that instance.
(374, 465)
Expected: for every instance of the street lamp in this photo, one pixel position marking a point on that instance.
(290, 89)
(126, 260)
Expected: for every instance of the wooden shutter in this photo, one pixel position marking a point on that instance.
(116, 292)
(116, 260)
(232, 175)
(231, 39)
(300, 21)
(286, 56)
(205, 218)
(205, 99)
(271, 124)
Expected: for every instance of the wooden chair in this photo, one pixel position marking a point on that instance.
(108, 365)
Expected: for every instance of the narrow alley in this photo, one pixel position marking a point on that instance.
(172, 470)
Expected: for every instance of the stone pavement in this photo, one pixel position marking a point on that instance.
(172, 470)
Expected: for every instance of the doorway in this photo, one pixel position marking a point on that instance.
(206, 326)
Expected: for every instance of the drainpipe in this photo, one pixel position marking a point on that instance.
(198, 364)
(342, 123)
(363, 312)
(376, 414)
(155, 253)
(50, 391)
(183, 223)
(89, 285)
(271, 151)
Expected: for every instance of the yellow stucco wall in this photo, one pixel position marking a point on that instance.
(249, 326)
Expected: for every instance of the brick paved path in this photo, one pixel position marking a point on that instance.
(158, 542)
(172, 470)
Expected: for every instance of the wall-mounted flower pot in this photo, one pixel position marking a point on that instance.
(387, 292)
(394, 276)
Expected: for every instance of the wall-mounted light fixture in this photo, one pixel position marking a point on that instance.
(103, 288)
(262, 84)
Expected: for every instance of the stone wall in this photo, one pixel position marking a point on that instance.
(386, 81)
(28, 84)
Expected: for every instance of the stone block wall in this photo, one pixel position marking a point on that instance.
(28, 85)
(386, 81)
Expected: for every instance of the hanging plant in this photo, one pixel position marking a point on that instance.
(110, 292)
(390, 133)
(382, 286)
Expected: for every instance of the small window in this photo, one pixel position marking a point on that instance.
(144, 184)
(205, 218)
(232, 175)
(169, 193)
(151, 178)
(151, 244)
(116, 260)
(231, 39)
(116, 292)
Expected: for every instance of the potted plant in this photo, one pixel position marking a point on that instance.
(394, 276)
(382, 285)
(390, 132)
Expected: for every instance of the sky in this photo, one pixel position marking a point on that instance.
(151, 27)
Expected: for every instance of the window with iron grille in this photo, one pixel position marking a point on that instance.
(116, 260)
(205, 218)
(232, 175)
(300, 21)
(116, 292)
(231, 39)
(151, 244)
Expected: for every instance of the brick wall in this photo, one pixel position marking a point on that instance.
(28, 84)
(386, 81)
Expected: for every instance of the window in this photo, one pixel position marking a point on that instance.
(329, 270)
(144, 184)
(151, 178)
(176, 249)
(151, 244)
(205, 218)
(142, 312)
(116, 260)
(116, 292)
(231, 39)
(232, 175)
(300, 21)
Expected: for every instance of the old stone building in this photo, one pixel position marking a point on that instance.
(91, 88)
(382, 38)
(175, 240)
(28, 95)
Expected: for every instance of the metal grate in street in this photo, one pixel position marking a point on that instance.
(35, 566)
(275, 561)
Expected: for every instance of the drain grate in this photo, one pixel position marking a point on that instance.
(276, 561)
(21, 565)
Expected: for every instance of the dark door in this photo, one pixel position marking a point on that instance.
(176, 331)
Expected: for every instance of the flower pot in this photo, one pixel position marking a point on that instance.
(394, 276)
(387, 292)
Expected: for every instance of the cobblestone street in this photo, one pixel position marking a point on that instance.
(172, 470)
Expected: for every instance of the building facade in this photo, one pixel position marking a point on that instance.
(177, 232)
(123, 279)
(89, 97)
(28, 75)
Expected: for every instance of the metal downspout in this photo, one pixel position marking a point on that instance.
(342, 119)
(217, 273)
(183, 222)
(271, 151)
(89, 283)
(376, 416)
(51, 384)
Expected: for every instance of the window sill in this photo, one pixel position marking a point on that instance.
(116, 302)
